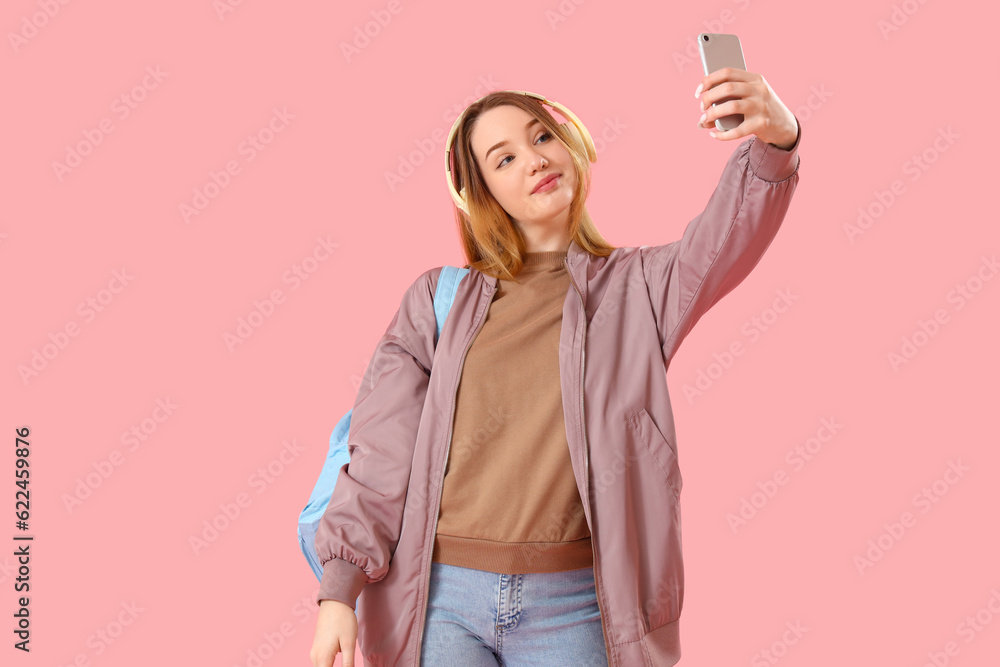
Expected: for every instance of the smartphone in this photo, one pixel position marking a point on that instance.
(718, 51)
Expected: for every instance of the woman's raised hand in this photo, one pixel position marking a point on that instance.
(764, 114)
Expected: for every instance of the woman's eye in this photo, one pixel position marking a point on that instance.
(544, 134)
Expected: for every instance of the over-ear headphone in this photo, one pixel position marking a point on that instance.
(577, 132)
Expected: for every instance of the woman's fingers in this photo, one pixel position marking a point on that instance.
(732, 107)
(718, 76)
(740, 106)
(347, 650)
(736, 89)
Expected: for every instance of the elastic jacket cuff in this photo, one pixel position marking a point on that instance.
(342, 580)
(770, 163)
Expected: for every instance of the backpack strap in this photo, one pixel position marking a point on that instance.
(447, 285)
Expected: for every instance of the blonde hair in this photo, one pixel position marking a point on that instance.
(492, 242)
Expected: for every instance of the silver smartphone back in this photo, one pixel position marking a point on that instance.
(718, 51)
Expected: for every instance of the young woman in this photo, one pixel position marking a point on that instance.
(513, 494)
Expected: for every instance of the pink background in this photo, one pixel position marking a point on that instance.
(868, 102)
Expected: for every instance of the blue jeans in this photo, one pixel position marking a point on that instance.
(477, 618)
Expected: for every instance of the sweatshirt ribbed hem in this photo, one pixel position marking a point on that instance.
(513, 557)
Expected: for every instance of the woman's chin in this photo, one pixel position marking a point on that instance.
(547, 207)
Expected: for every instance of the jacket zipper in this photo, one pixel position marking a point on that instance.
(451, 429)
(586, 456)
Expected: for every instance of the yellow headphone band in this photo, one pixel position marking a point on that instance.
(576, 130)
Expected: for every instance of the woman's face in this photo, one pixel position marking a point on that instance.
(510, 146)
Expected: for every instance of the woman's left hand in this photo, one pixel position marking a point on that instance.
(764, 114)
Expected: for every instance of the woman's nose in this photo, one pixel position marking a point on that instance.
(537, 161)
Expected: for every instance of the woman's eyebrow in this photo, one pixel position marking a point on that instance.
(505, 142)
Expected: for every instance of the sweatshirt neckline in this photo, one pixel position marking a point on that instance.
(542, 260)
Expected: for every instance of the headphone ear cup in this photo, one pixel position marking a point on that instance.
(577, 139)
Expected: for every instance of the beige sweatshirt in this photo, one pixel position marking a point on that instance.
(510, 502)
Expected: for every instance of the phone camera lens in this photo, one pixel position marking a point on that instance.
(705, 37)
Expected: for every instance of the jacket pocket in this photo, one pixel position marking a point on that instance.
(659, 448)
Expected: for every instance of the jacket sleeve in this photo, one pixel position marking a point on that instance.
(722, 244)
(359, 531)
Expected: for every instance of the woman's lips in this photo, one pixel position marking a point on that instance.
(545, 186)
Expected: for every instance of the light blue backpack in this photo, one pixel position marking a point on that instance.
(337, 455)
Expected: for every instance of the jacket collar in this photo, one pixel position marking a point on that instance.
(577, 264)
